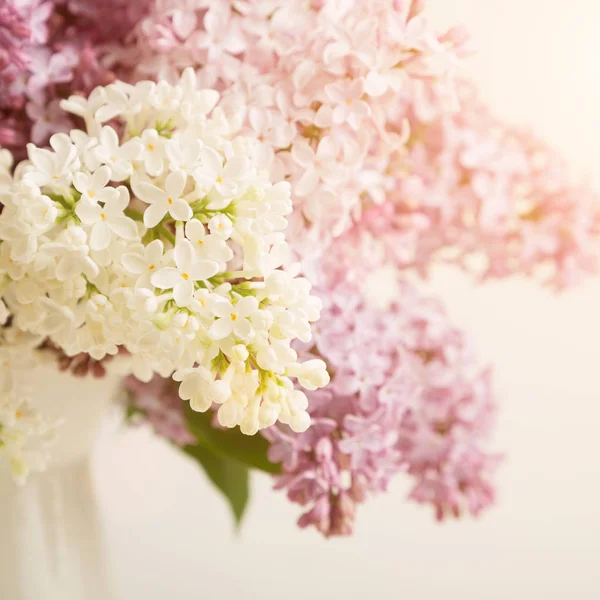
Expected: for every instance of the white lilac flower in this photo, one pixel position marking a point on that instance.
(108, 220)
(188, 270)
(146, 264)
(119, 158)
(24, 433)
(233, 318)
(165, 201)
(208, 246)
(161, 235)
(183, 152)
(215, 174)
(93, 187)
(54, 167)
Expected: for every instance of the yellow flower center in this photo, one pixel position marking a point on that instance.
(185, 276)
(150, 147)
(200, 242)
(151, 267)
(91, 194)
(234, 316)
(103, 216)
(219, 180)
(170, 200)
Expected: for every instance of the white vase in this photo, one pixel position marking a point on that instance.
(51, 539)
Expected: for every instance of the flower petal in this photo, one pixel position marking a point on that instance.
(183, 292)
(81, 182)
(242, 328)
(100, 238)
(237, 168)
(100, 178)
(221, 307)
(153, 163)
(206, 100)
(246, 306)
(184, 255)
(124, 227)
(307, 183)
(131, 150)
(41, 158)
(195, 230)
(204, 269)
(175, 184)
(154, 251)
(180, 210)
(166, 278)
(109, 138)
(375, 84)
(134, 263)
(88, 213)
(121, 200)
(154, 214)
(220, 329)
(150, 194)
(211, 162)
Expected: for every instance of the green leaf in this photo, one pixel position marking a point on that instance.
(229, 476)
(249, 450)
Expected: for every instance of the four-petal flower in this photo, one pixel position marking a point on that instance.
(188, 269)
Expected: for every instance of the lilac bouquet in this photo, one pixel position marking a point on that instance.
(237, 197)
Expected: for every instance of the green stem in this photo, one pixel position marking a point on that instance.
(168, 235)
(134, 214)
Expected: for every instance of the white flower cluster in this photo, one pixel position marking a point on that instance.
(155, 232)
(24, 434)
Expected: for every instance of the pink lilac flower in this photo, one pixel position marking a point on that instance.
(21, 23)
(50, 49)
(491, 198)
(407, 396)
(159, 404)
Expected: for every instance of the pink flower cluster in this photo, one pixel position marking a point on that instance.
(50, 49)
(491, 198)
(406, 395)
(324, 86)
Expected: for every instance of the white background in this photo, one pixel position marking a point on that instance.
(171, 535)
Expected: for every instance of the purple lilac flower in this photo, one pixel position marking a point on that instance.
(50, 49)
(406, 395)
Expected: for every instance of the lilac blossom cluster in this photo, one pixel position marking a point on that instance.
(406, 394)
(49, 50)
(327, 98)
(491, 198)
(392, 164)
